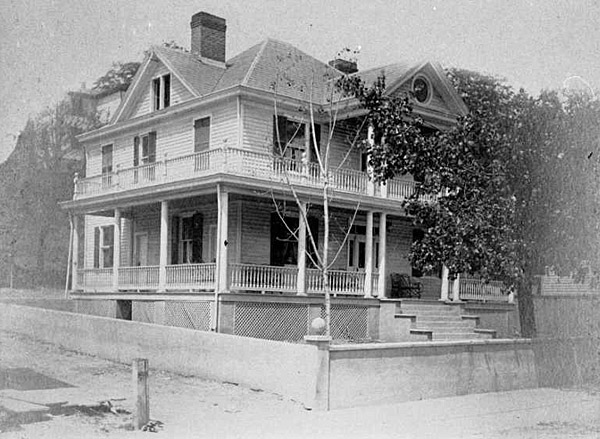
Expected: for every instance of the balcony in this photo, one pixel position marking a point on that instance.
(263, 167)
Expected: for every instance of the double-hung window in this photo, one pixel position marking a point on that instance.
(161, 92)
(107, 165)
(144, 155)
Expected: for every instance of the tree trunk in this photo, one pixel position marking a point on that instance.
(526, 305)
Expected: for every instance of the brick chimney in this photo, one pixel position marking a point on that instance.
(344, 66)
(208, 36)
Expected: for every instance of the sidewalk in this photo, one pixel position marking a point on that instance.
(192, 407)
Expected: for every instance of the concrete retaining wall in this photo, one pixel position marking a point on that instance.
(389, 373)
(568, 349)
(284, 368)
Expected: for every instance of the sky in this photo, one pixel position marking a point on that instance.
(49, 47)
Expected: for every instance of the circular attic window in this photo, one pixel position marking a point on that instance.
(421, 89)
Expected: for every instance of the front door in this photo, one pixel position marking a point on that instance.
(356, 253)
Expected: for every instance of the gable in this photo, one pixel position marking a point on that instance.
(143, 103)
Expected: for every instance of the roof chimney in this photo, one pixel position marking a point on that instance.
(344, 66)
(208, 36)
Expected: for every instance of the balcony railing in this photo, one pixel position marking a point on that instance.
(238, 162)
(138, 278)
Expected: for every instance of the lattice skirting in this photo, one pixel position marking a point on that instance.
(291, 322)
(142, 311)
(191, 315)
(348, 322)
(271, 321)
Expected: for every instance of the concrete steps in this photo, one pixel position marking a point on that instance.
(441, 321)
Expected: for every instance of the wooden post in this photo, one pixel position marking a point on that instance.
(445, 285)
(222, 233)
(369, 256)
(456, 289)
(75, 253)
(382, 251)
(301, 281)
(164, 245)
(141, 415)
(116, 249)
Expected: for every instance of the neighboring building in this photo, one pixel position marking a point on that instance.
(181, 186)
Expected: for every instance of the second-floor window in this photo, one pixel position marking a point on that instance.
(161, 92)
(292, 139)
(144, 149)
(201, 134)
(107, 159)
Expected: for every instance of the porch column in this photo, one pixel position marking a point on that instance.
(456, 289)
(444, 292)
(116, 249)
(301, 282)
(369, 256)
(382, 250)
(164, 246)
(75, 253)
(222, 232)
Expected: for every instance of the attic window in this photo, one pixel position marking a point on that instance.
(161, 92)
(421, 89)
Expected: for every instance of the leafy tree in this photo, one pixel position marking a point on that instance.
(511, 196)
(118, 77)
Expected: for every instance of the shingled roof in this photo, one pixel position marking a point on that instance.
(268, 66)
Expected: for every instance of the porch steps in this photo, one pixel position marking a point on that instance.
(441, 321)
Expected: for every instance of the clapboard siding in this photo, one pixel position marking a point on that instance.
(179, 93)
(340, 144)
(257, 128)
(173, 138)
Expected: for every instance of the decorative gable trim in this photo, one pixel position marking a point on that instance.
(132, 91)
(439, 82)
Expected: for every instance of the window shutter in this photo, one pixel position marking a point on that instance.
(175, 240)
(156, 91)
(96, 247)
(197, 230)
(279, 127)
(315, 147)
(167, 91)
(136, 151)
(152, 147)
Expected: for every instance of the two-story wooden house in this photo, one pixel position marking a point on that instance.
(187, 193)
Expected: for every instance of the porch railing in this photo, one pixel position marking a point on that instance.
(478, 290)
(92, 278)
(263, 278)
(138, 278)
(197, 276)
(236, 161)
(340, 282)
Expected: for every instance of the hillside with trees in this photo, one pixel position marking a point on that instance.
(38, 174)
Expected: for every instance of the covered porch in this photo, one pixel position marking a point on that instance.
(236, 242)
